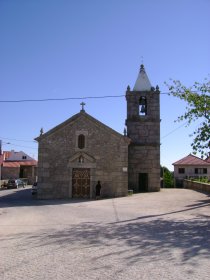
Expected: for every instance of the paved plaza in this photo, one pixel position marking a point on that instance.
(163, 235)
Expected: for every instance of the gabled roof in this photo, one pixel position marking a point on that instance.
(19, 163)
(81, 114)
(191, 160)
(142, 82)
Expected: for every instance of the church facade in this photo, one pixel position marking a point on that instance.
(77, 154)
(81, 151)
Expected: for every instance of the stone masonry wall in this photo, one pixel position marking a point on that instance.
(144, 131)
(144, 159)
(108, 153)
(197, 186)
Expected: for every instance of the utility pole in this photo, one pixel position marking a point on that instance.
(1, 159)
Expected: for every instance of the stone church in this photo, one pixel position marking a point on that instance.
(81, 151)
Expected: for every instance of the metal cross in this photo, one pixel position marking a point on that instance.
(83, 104)
(142, 59)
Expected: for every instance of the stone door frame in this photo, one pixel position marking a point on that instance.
(81, 182)
(89, 163)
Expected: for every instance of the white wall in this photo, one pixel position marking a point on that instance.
(190, 171)
(17, 156)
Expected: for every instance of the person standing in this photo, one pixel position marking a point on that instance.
(98, 190)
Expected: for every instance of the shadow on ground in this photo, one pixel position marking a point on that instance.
(23, 197)
(134, 241)
(151, 237)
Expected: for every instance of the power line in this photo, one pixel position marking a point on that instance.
(17, 139)
(19, 146)
(72, 98)
(174, 130)
(61, 99)
(65, 98)
(36, 142)
(75, 98)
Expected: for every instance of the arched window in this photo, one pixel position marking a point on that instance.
(81, 141)
(143, 106)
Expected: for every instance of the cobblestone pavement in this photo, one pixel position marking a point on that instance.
(163, 235)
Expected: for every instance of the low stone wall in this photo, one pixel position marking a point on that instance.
(197, 186)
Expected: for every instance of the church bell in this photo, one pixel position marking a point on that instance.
(143, 109)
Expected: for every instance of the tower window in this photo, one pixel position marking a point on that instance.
(81, 141)
(143, 106)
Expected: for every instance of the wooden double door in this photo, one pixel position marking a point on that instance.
(81, 182)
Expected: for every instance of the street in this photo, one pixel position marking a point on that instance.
(163, 235)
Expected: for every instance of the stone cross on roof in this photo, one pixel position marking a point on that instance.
(82, 104)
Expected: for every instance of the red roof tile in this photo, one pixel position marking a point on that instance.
(19, 163)
(191, 160)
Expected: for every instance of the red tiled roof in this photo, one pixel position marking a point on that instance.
(19, 163)
(191, 160)
(208, 159)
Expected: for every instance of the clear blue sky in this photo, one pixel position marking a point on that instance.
(78, 48)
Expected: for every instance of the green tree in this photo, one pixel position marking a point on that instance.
(168, 178)
(197, 99)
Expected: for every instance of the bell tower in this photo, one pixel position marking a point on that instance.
(143, 128)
